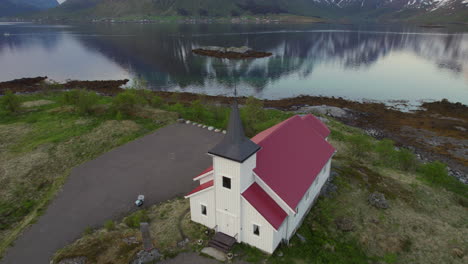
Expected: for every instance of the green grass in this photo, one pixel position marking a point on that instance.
(45, 142)
(435, 174)
(255, 118)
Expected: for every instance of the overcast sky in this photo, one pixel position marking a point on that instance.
(61, 1)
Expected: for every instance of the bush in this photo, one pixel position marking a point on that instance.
(88, 231)
(70, 97)
(109, 225)
(385, 149)
(157, 101)
(406, 160)
(136, 218)
(436, 174)
(175, 97)
(126, 102)
(337, 135)
(360, 144)
(10, 102)
(197, 111)
(253, 114)
(85, 101)
(389, 156)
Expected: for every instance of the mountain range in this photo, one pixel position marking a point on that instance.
(389, 10)
(16, 7)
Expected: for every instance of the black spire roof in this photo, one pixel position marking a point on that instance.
(235, 145)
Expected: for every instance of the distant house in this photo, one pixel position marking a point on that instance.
(259, 190)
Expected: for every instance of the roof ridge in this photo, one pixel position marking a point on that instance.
(280, 125)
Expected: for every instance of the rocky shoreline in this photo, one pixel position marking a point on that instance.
(437, 131)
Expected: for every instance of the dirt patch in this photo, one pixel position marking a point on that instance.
(158, 115)
(36, 103)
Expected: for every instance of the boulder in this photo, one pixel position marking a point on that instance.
(183, 243)
(130, 240)
(217, 130)
(144, 257)
(210, 128)
(457, 252)
(332, 111)
(378, 200)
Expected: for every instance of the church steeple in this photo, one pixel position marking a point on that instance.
(235, 145)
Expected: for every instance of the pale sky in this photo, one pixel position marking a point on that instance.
(61, 1)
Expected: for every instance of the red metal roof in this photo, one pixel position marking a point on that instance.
(265, 205)
(205, 171)
(316, 124)
(204, 186)
(293, 153)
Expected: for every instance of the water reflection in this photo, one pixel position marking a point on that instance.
(381, 63)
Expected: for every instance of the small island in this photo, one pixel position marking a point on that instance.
(231, 52)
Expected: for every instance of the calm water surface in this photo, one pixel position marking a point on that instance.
(362, 62)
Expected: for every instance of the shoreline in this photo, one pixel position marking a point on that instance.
(437, 131)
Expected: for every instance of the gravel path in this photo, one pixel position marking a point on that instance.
(160, 166)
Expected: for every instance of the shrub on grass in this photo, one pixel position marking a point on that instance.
(389, 156)
(337, 135)
(361, 145)
(197, 111)
(109, 225)
(406, 159)
(87, 102)
(10, 102)
(436, 174)
(136, 218)
(253, 114)
(385, 149)
(157, 101)
(84, 101)
(88, 231)
(175, 97)
(127, 102)
(70, 97)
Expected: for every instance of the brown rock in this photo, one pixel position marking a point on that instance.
(457, 252)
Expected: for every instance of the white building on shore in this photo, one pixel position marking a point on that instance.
(259, 190)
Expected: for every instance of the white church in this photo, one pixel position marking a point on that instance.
(259, 190)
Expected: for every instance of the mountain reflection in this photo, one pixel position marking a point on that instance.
(163, 57)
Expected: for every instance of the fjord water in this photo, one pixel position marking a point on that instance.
(389, 63)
